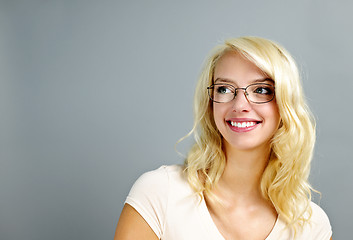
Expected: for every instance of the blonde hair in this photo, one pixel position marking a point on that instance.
(285, 179)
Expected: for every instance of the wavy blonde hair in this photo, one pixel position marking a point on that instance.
(285, 179)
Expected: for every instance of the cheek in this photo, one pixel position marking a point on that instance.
(276, 112)
(218, 109)
(273, 113)
(218, 114)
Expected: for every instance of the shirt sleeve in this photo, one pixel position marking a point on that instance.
(149, 197)
(322, 227)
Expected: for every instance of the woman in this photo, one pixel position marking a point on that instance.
(246, 176)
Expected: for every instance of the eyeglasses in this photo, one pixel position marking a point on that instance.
(256, 93)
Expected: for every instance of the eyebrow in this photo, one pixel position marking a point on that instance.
(225, 80)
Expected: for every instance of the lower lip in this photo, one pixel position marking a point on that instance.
(243, 129)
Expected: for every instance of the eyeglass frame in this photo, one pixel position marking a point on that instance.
(243, 88)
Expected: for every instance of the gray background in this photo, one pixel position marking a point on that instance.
(94, 93)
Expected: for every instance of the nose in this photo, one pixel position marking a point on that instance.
(240, 102)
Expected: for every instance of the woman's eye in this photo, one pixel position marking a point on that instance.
(223, 89)
(263, 90)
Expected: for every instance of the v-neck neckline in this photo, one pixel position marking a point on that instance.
(213, 230)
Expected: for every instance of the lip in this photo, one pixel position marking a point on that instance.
(243, 120)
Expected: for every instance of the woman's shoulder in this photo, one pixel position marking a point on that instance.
(319, 216)
(157, 182)
(151, 194)
(163, 173)
(319, 225)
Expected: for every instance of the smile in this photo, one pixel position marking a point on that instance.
(242, 124)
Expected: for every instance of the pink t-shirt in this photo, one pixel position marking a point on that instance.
(166, 201)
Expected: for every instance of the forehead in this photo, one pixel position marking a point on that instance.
(235, 67)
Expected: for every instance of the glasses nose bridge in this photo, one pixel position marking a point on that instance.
(245, 92)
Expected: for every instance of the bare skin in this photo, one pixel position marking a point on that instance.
(132, 226)
(244, 214)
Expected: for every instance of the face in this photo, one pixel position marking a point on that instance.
(244, 125)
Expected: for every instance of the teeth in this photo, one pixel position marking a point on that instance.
(242, 124)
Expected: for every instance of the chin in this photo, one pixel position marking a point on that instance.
(246, 145)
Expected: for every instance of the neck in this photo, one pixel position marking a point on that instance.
(242, 175)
